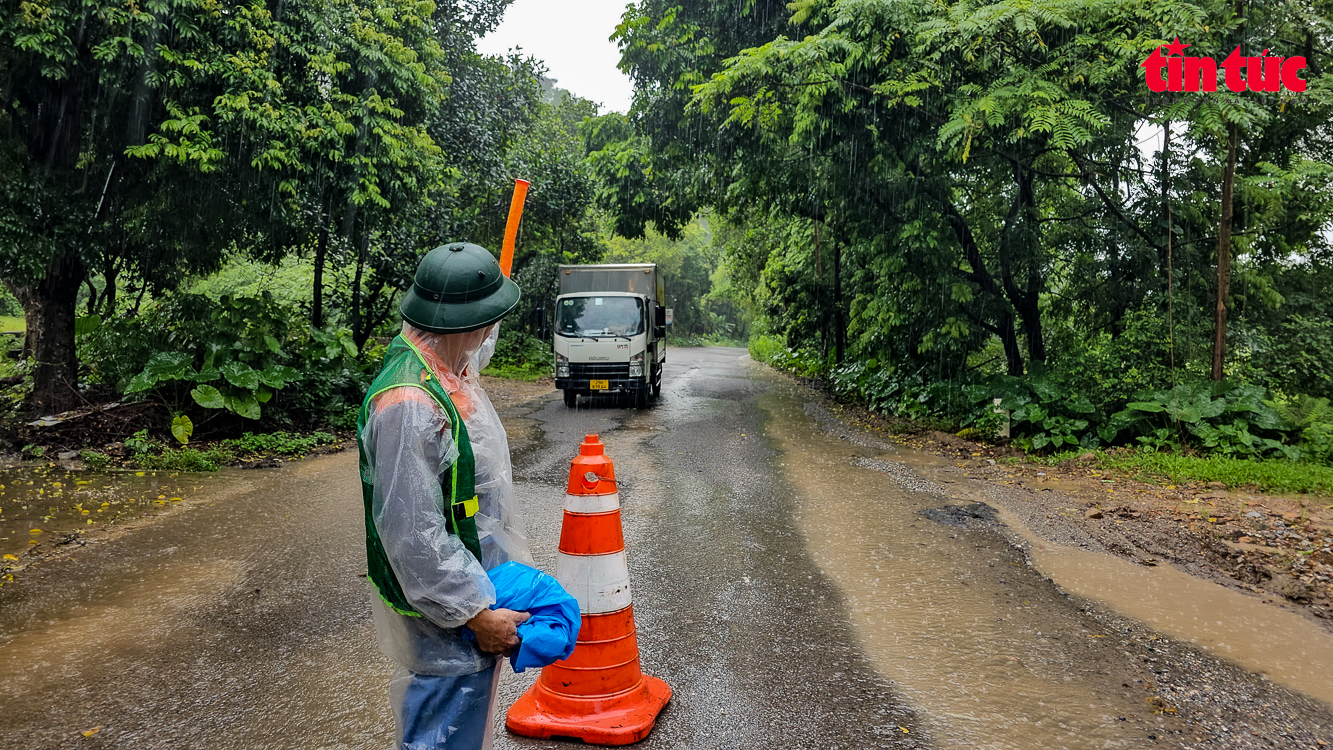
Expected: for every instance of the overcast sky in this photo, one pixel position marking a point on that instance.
(573, 40)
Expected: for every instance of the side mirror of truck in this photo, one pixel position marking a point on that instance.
(659, 325)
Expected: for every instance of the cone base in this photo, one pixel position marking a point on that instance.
(621, 719)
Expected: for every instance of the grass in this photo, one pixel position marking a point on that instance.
(186, 459)
(12, 323)
(1268, 475)
(518, 372)
(279, 443)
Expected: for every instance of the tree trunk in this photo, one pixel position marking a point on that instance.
(1166, 203)
(839, 327)
(50, 308)
(1031, 315)
(1013, 356)
(1224, 253)
(110, 273)
(317, 307)
(1004, 323)
(92, 296)
(358, 336)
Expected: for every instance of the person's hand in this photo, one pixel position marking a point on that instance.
(497, 630)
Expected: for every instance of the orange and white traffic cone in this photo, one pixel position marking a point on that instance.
(598, 695)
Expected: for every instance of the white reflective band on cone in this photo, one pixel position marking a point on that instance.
(592, 503)
(599, 582)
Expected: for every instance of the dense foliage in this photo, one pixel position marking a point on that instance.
(939, 205)
(975, 215)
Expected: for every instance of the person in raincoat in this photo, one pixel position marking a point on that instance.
(438, 492)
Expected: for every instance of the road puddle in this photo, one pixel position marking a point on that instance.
(988, 654)
(41, 505)
(1278, 644)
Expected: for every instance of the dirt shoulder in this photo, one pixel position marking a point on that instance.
(51, 506)
(505, 393)
(1278, 548)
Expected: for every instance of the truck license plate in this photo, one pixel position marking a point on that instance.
(600, 385)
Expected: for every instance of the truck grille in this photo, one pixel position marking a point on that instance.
(599, 370)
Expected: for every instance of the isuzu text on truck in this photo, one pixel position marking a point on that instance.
(610, 331)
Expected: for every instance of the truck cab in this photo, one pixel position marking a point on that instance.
(610, 332)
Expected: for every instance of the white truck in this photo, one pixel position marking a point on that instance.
(610, 331)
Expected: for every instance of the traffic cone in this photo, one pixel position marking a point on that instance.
(598, 695)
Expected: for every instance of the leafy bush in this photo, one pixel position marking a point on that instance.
(233, 354)
(238, 360)
(95, 460)
(520, 355)
(802, 363)
(1298, 358)
(1108, 370)
(1231, 419)
(332, 377)
(906, 395)
(1044, 413)
(1312, 419)
(1053, 410)
(764, 346)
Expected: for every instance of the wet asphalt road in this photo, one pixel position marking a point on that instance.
(731, 610)
(241, 621)
(793, 583)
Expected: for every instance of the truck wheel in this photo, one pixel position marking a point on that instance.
(571, 398)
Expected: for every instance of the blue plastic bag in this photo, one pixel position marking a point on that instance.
(553, 630)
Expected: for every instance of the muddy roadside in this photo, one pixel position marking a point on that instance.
(1199, 700)
(52, 506)
(1274, 547)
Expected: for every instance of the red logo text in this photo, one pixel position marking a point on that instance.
(1263, 73)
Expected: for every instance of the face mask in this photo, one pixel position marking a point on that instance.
(454, 350)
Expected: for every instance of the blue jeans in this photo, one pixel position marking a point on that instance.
(444, 713)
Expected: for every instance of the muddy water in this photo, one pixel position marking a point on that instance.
(985, 651)
(1281, 645)
(1277, 643)
(41, 503)
(129, 622)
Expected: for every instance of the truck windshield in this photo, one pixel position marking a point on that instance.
(599, 316)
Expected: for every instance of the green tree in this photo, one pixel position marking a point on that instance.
(142, 142)
(973, 166)
(686, 264)
(110, 153)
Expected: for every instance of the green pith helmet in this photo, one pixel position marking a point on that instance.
(458, 288)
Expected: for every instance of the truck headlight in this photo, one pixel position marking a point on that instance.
(636, 365)
(561, 366)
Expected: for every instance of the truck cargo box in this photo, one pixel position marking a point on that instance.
(634, 278)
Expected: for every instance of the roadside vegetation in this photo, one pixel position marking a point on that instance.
(982, 224)
(976, 221)
(196, 251)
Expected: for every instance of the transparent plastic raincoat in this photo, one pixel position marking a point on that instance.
(410, 449)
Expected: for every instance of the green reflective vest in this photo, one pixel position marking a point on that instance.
(404, 367)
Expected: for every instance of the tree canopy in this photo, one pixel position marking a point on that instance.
(954, 191)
